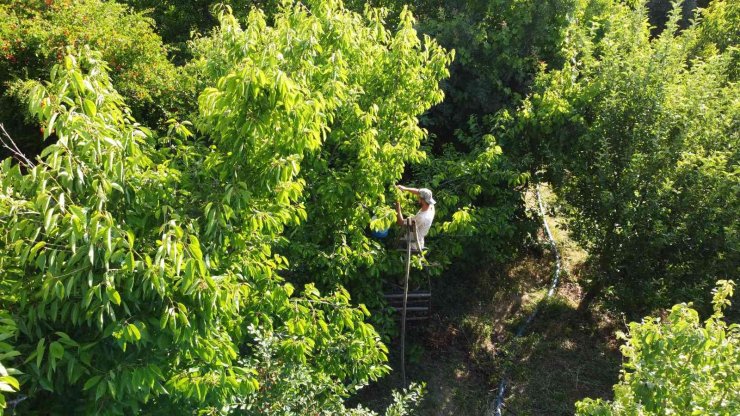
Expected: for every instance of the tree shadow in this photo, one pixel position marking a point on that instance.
(563, 358)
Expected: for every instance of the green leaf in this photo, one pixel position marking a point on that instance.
(50, 126)
(40, 352)
(91, 382)
(56, 350)
(38, 246)
(48, 218)
(194, 246)
(65, 339)
(134, 330)
(78, 82)
(9, 384)
(113, 295)
(108, 240)
(130, 238)
(100, 390)
(163, 319)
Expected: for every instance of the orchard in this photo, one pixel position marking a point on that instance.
(197, 206)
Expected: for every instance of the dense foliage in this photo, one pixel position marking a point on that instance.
(483, 212)
(678, 365)
(177, 21)
(33, 38)
(141, 270)
(641, 138)
(368, 86)
(719, 31)
(500, 47)
(8, 381)
(195, 233)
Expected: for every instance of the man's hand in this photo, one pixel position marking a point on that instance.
(398, 206)
(401, 187)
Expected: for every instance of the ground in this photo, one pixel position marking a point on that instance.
(462, 352)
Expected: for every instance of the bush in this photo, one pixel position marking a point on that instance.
(678, 366)
(177, 21)
(370, 85)
(8, 381)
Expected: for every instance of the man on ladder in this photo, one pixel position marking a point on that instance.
(423, 219)
(417, 228)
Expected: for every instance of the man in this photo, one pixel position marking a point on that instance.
(423, 218)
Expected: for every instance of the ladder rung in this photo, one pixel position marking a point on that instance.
(410, 295)
(417, 303)
(413, 308)
(413, 251)
(416, 318)
(420, 302)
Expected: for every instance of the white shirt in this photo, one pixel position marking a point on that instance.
(423, 221)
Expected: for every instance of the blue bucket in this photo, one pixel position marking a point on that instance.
(379, 234)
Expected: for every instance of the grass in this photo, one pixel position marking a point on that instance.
(462, 352)
(561, 360)
(563, 357)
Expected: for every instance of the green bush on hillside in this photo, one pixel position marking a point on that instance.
(679, 365)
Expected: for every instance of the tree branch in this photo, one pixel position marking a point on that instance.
(9, 144)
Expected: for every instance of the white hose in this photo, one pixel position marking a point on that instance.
(498, 404)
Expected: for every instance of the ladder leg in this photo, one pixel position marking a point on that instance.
(405, 301)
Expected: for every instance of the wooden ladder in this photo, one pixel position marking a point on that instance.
(418, 304)
(409, 306)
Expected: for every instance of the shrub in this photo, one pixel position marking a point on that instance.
(33, 38)
(678, 366)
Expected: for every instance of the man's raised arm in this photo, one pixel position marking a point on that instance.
(407, 189)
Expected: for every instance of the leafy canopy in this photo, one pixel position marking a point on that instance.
(141, 270)
(34, 35)
(639, 135)
(348, 94)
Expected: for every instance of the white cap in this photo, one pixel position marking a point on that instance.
(426, 195)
